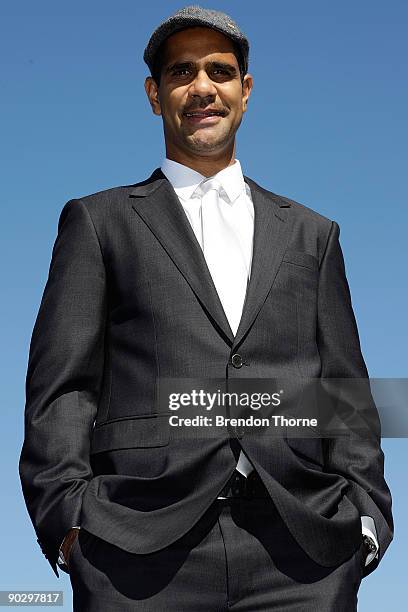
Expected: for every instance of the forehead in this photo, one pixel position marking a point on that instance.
(197, 42)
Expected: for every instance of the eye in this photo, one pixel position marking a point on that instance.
(182, 71)
(179, 72)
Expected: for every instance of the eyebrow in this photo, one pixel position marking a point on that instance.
(214, 64)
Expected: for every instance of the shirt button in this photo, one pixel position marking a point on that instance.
(237, 360)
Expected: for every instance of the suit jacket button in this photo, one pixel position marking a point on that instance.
(237, 360)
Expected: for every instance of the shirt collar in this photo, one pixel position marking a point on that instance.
(185, 180)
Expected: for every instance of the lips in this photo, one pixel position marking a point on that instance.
(203, 118)
(204, 113)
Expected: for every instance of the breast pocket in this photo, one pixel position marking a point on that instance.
(140, 431)
(299, 258)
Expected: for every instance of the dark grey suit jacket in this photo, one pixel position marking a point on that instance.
(129, 298)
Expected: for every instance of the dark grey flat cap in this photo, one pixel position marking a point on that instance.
(190, 16)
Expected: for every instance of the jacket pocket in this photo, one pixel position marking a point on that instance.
(299, 258)
(131, 432)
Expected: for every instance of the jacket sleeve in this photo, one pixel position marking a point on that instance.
(65, 368)
(358, 456)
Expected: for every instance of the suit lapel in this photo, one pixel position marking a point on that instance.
(156, 202)
(272, 226)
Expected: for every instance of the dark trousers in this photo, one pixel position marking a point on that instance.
(239, 556)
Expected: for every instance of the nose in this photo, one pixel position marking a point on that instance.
(202, 85)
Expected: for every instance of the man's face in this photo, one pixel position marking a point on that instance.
(201, 97)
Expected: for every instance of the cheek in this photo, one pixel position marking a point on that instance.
(172, 107)
(236, 114)
(170, 118)
(236, 107)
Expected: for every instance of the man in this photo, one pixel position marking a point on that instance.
(196, 272)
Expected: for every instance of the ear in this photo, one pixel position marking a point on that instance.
(152, 93)
(246, 90)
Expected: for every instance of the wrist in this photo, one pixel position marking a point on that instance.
(66, 546)
(369, 544)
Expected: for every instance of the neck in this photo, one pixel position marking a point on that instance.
(207, 166)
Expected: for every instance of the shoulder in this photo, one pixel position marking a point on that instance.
(298, 209)
(314, 227)
(104, 204)
(105, 199)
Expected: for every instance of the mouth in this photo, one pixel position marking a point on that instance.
(205, 117)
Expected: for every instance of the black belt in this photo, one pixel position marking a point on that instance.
(249, 487)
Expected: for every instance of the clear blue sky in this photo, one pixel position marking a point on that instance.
(326, 125)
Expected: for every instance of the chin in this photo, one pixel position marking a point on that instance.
(205, 145)
(206, 142)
